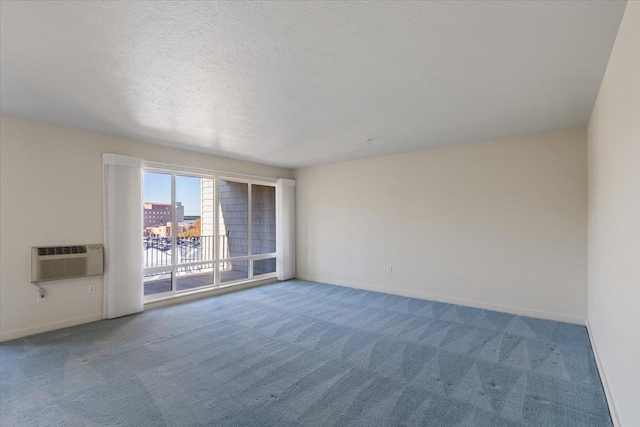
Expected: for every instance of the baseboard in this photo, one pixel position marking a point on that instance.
(20, 333)
(558, 317)
(603, 378)
(24, 332)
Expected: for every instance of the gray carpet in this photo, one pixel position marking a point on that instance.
(305, 354)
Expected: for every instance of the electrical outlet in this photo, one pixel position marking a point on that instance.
(41, 296)
(92, 289)
(389, 269)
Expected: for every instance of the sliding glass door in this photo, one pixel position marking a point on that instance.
(205, 231)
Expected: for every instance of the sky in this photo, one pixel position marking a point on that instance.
(157, 188)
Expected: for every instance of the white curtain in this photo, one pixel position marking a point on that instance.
(122, 217)
(286, 229)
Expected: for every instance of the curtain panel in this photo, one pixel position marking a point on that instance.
(286, 229)
(122, 217)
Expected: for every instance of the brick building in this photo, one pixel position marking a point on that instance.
(157, 214)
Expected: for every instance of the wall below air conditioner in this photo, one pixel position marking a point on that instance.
(51, 189)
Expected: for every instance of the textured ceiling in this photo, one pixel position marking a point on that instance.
(303, 83)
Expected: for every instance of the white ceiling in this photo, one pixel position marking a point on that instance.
(304, 83)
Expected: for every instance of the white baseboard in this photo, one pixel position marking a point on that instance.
(453, 300)
(32, 330)
(605, 384)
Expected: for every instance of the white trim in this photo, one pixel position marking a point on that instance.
(120, 160)
(160, 269)
(287, 182)
(167, 268)
(207, 292)
(46, 327)
(216, 229)
(603, 378)
(210, 173)
(256, 257)
(453, 300)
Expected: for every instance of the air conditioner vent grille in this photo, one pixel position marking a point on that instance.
(67, 267)
(62, 250)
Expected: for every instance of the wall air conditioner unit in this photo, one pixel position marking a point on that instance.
(65, 262)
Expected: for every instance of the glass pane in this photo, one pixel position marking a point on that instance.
(194, 199)
(194, 277)
(207, 238)
(156, 231)
(157, 251)
(231, 271)
(156, 283)
(233, 219)
(264, 266)
(263, 219)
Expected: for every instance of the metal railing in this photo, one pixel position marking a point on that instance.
(158, 251)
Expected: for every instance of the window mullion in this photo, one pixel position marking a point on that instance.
(249, 245)
(174, 240)
(216, 231)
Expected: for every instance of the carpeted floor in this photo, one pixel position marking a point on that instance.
(305, 354)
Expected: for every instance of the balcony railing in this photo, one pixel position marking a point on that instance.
(158, 252)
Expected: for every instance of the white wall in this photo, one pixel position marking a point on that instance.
(614, 222)
(51, 194)
(499, 225)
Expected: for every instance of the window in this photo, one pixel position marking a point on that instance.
(202, 231)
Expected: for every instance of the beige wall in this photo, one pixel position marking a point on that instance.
(51, 194)
(499, 225)
(614, 222)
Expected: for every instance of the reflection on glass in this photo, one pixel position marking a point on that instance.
(194, 242)
(194, 277)
(263, 219)
(231, 271)
(233, 219)
(264, 266)
(155, 283)
(156, 230)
